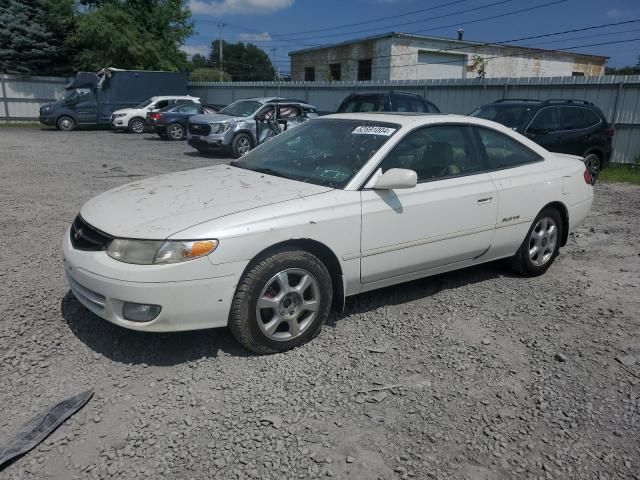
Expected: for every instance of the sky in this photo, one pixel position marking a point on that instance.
(289, 25)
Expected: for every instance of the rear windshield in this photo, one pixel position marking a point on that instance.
(513, 116)
(364, 103)
(326, 152)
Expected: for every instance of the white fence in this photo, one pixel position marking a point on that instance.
(617, 96)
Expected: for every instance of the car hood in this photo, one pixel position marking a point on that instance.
(126, 110)
(159, 207)
(217, 117)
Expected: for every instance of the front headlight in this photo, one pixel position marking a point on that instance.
(219, 128)
(159, 252)
(118, 115)
(45, 109)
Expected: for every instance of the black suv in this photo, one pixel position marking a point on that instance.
(564, 126)
(386, 102)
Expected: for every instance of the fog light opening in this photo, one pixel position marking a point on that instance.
(140, 312)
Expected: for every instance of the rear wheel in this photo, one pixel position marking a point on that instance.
(541, 245)
(136, 125)
(281, 302)
(175, 131)
(66, 123)
(594, 165)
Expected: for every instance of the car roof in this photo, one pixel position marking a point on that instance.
(413, 119)
(163, 97)
(275, 100)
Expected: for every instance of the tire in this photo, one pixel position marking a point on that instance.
(531, 263)
(594, 165)
(242, 143)
(136, 125)
(175, 132)
(66, 123)
(270, 326)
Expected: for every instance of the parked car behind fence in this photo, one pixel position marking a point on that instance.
(133, 119)
(575, 127)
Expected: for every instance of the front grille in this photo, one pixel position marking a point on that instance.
(85, 237)
(199, 128)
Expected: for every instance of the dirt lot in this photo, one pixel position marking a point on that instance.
(477, 374)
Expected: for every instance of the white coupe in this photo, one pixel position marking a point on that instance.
(340, 205)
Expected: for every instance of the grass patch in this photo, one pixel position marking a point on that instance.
(616, 173)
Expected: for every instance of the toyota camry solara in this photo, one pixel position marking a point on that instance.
(343, 204)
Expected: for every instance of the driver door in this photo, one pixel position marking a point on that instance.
(448, 217)
(86, 106)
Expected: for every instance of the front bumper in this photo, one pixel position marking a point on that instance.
(187, 304)
(48, 120)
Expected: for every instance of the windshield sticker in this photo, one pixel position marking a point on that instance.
(373, 130)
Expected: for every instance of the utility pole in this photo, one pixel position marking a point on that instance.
(275, 68)
(220, 27)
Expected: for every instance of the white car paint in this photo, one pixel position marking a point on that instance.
(379, 237)
(120, 118)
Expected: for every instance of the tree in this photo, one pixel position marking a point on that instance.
(208, 75)
(28, 41)
(133, 34)
(244, 62)
(199, 61)
(635, 70)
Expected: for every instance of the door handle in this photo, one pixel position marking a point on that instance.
(483, 201)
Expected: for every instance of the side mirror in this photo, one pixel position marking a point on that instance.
(394, 178)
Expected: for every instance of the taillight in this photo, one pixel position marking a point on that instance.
(587, 177)
(610, 133)
(154, 116)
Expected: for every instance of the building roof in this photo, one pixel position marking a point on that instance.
(443, 39)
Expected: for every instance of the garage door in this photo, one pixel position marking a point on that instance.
(440, 65)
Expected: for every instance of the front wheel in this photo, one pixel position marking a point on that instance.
(241, 145)
(593, 164)
(541, 245)
(281, 302)
(66, 123)
(136, 125)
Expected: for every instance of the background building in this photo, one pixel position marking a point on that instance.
(397, 56)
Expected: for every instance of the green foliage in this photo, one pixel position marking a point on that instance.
(208, 75)
(635, 70)
(244, 62)
(28, 40)
(616, 173)
(199, 61)
(133, 34)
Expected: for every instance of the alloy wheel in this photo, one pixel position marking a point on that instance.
(137, 126)
(244, 145)
(592, 162)
(288, 304)
(542, 241)
(176, 132)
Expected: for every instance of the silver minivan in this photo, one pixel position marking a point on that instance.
(241, 126)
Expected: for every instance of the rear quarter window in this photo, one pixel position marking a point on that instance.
(503, 151)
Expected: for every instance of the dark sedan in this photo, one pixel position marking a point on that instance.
(171, 122)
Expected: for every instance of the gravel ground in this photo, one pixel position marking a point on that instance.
(476, 374)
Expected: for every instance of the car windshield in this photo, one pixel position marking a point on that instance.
(326, 152)
(145, 103)
(242, 108)
(514, 116)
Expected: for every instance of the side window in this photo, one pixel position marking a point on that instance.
(572, 118)
(189, 108)
(161, 104)
(545, 121)
(430, 107)
(591, 118)
(401, 104)
(265, 113)
(435, 153)
(503, 151)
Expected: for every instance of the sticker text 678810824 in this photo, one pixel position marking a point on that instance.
(373, 130)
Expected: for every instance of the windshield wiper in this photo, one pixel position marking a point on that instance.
(265, 170)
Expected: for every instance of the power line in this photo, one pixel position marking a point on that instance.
(380, 19)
